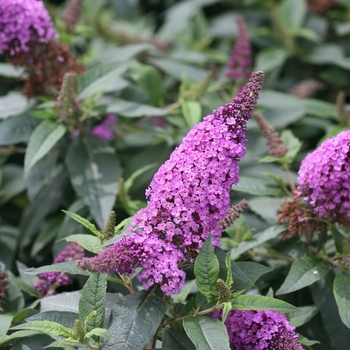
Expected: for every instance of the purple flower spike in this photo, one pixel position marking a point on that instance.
(259, 330)
(23, 22)
(187, 198)
(241, 56)
(324, 178)
(104, 130)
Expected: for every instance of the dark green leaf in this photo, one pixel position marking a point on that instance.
(43, 138)
(133, 109)
(258, 186)
(270, 59)
(15, 335)
(95, 172)
(259, 238)
(5, 323)
(176, 340)
(134, 320)
(149, 80)
(12, 182)
(206, 333)
(292, 13)
(99, 332)
(303, 273)
(304, 341)
(192, 112)
(322, 295)
(303, 315)
(260, 302)
(206, 270)
(341, 290)
(93, 299)
(8, 70)
(17, 129)
(8, 244)
(97, 78)
(267, 207)
(65, 318)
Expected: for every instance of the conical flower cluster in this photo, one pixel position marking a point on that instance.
(187, 198)
(259, 330)
(324, 178)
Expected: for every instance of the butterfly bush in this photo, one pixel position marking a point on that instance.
(21, 22)
(259, 330)
(187, 199)
(324, 178)
(49, 281)
(240, 62)
(104, 130)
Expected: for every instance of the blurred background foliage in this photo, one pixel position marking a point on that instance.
(159, 66)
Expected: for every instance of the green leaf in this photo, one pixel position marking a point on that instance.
(88, 242)
(228, 262)
(13, 104)
(176, 339)
(133, 109)
(86, 223)
(278, 100)
(93, 299)
(47, 327)
(65, 318)
(177, 69)
(16, 335)
(303, 273)
(9, 237)
(99, 332)
(292, 143)
(270, 59)
(323, 297)
(320, 108)
(259, 238)
(267, 207)
(206, 333)
(341, 290)
(251, 269)
(192, 112)
(5, 323)
(66, 267)
(95, 172)
(292, 13)
(134, 320)
(149, 80)
(304, 341)
(12, 182)
(260, 302)
(206, 270)
(339, 236)
(258, 186)
(96, 79)
(43, 138)
(17, 129)
(303, 315)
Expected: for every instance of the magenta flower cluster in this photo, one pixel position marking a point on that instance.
(239, 65)
(104, 130)
(187, 198)
(21, 22)
(49, 281)
(259, 330)
(324, 178)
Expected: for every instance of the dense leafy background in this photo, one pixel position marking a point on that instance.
(146, 62)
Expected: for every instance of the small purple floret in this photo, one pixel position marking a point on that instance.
(324, 178)
(259, 330)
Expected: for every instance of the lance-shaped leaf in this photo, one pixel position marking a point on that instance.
(88, 242)
(303, 315)
(206, 333)
(176, 339)
(95, 172)
(66, 267)
(260, 302)
(304, 272)
(134, 320)
(93, 299)
(43, 138)
(47, 327)
(86, 223)
(16, 335)
(206, 270)
(341, 290)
